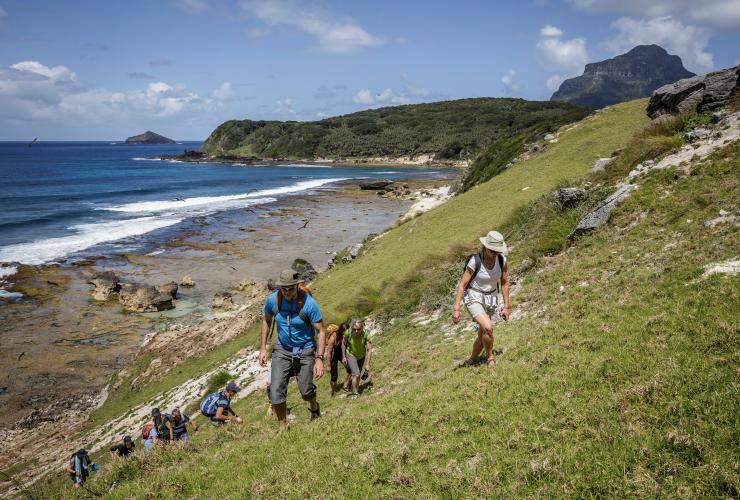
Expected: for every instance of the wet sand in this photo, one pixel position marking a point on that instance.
(59, 344)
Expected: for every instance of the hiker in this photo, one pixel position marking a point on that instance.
(162, 425)
(179, 424)
(217, 406)
(123, 449)
(79, 467)
(357, 349)
(334, 356)
(486, 273)
(297, 317)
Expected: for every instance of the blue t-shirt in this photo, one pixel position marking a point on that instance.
(292, 331)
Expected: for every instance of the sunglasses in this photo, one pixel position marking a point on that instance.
(287, 289)
(356, 329)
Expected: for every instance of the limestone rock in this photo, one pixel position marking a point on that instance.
(106, 284)
(600, 215)
(223, 300)
(571, 197)
(144, 298)
(187, 281)
(699, 93)
(696, 134)
(168, 288)
(352, 254)
(601, 164)
(304, 269)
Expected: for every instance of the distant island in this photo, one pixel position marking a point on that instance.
(149, 137)
(623, 78)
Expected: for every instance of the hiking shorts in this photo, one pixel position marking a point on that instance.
(354, 365)
(283, 367)
(489, 306)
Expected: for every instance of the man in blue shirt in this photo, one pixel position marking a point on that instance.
(297, 350)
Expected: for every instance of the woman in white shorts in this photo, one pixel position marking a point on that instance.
(479, 291)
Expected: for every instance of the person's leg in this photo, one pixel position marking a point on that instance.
(354, 368)
(334, 373)
(282, 365)
(304, 378)
(485, 329)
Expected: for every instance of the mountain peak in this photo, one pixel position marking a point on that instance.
(628, 76)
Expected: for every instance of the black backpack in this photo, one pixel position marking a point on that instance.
(478, 262)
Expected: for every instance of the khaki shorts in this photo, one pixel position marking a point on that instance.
(283, 367)
(476, 308)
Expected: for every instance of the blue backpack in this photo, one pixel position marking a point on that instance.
(208, 405)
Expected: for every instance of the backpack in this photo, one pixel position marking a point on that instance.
(301, 297)
(84, 459)
(146, 430)
(208, 405)
(478, 262)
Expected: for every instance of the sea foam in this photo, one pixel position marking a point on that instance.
(84, 236)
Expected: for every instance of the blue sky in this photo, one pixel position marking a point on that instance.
(103, 70)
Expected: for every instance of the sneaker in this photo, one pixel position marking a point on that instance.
(354, 395)
(345, 389)
(315, 414)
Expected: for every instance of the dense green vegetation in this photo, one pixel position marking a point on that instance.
(449, 130)
(618, 377)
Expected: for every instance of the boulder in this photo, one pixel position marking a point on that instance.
(106, 284)
(600, 215)
(601, 164)
(375, 185)
(717, 116)
(699, 93)
(144, 298)
(168, 288)
(187, 281)
(570, 197)
(304, 269)
(223, 300)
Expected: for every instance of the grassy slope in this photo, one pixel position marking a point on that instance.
(625, 383)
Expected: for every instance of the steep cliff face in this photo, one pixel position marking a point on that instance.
(625, 77)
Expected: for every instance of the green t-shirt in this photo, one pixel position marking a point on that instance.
(356, 346)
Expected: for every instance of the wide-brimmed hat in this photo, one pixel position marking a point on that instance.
(494, 241)
(289, 277)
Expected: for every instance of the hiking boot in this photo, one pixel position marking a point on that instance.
(316, 413)
(354, 395)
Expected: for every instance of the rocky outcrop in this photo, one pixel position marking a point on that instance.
(570, 197)
(223, 300)
(600, 164)
(624, 78)
(600, 215)
(106, 284)
(375, 185)
(144, 298)
(149, 137)
(700, 93)
(169, 289)
(187, 281)
(304, 269)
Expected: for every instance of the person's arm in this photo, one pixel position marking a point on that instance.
(330, 350)
(266, 324)
(368, 355)
(168, 425)
(505, 290)
(344, 349)
(466, 277)
(153, 435)
(192, 424)
(318, 368)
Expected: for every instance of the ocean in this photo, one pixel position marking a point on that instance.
(68, 200)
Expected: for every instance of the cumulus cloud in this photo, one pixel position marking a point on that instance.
(192, 6)
(284, 107)
(329, 34)
(689, 42)
(567, 56)
(384, 97)
(31, 91)
(511, 87)
(223, 92)
(553, 83)
(723, 14)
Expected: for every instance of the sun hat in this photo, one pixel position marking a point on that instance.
(231, 386)
(495, 241)
(289, 277)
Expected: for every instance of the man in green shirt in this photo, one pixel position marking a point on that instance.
(357, 349)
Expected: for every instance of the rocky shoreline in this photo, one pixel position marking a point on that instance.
(423, 160)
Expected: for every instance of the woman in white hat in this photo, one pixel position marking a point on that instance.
(486, 273)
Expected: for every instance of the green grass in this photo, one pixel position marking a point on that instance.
(620, 380)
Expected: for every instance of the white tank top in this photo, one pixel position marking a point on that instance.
(483, 287)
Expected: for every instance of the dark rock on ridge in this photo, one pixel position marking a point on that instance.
(304, 269)
(149, 137)
(375, 185)
(623, 78)
(700, 93)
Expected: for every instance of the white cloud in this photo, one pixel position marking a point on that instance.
(384, 97)
(285, 107)
(258, 32)
(510, 85)
(3, 16)
(689, 42)
(223, 92)
(33, 92)
(553, 83)
(567, 56)
(329, 34)
(724, 14)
